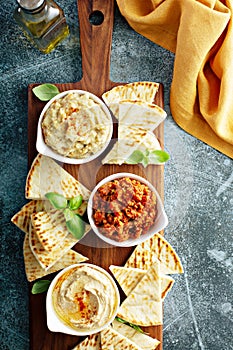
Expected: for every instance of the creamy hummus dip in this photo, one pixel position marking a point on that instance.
(85, 298)
(76, 126)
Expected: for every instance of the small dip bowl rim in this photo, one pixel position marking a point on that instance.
(161, 218)
(55, 324)
(44, 149)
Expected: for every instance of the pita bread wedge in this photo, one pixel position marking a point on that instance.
(130, 139)
(152, 249)
(50, 228)
(140, 114)
(92, 342)
(113, 340)
(45, 175)
(129, 277)
(34, 270)
(124, 147)
(142, 340)
(48, 258)
(166, 285)
(143, 306)
(113, 157)
(22, 219)
(142, 90)
(144, 140)
(116, 94)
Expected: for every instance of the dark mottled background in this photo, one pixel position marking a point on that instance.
(198, 311)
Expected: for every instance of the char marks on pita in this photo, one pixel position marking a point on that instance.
(50, 228)
(138, 116)
(152, 249)
(143, 306)
(93, 342)
(34, 270)
(129, 277)
(45, 175)
(113, 340)
(48, 258)
(22, 219)
(142, 90)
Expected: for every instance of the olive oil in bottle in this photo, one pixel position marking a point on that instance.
(43, 22)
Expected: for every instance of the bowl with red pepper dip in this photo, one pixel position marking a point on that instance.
(125, 209)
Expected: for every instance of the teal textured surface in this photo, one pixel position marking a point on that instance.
(198, 187)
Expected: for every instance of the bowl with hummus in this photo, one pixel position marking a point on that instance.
(124, 210)
(82, 299)
(74, 127)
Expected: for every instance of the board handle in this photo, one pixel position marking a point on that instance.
(96, 24)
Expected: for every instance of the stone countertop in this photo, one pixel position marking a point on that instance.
(198, 311)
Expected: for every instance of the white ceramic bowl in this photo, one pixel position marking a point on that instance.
(47, 151)
(161, 219)
(55, 324)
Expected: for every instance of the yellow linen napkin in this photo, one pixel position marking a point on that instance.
(200, 33)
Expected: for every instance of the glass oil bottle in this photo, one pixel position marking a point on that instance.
(43, 22)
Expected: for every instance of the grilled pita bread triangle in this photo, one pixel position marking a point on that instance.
(128, 278)
(50, 228)
(144, 341)
(34, 270)
(142, 90)
(113, 340)
(140, 114)
(92, 342)
(45, 175)
(152, 249)
(129, 140)
(22, 219)
(48, 258)
(143, 306)
(116, 94)
(113, 157)
(143, 139)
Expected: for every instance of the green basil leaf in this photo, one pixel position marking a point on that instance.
(69, 214)
(76, 226)
(135, 158)
(120, 319)
(137, 328)
(74, 203)
(158, 157)
(146, 153)
(40, 286)
(145, 161)
(57, 200)
(45, 91)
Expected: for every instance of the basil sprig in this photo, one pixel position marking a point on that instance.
(45, 91)
(74, 222)
(40, 286)
(148, 157)
(57, 200)
(137, 328)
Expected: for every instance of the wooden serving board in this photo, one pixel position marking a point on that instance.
(96, 49)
